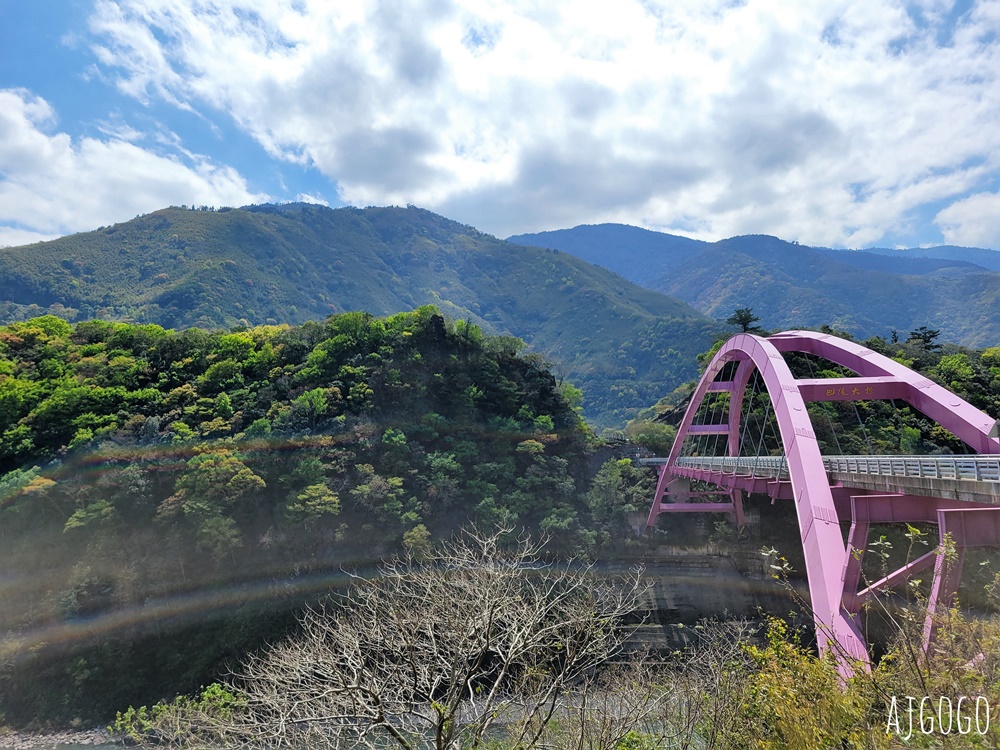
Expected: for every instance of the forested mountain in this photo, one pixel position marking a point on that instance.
(168, 499)
(641, 256)
(955, 290)
(624, 345)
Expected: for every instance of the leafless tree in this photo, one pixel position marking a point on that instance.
(693, 699)
(485, 637)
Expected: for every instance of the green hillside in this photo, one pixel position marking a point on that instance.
(624, 345)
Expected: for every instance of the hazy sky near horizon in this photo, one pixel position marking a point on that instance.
(831, 122)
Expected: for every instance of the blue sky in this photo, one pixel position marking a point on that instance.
(829, 122)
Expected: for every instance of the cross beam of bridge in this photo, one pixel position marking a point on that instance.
(959, 493)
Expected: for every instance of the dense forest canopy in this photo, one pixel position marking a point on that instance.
(150, 478)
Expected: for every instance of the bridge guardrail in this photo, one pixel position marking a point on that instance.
(985, 468)
(971, 468)
(759, 466)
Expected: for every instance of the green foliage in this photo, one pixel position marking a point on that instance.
(744, 318)
(638, 741)
(798, 700)
(925, 336)
(417, 542)
(619, 488)
(991, 356)
(213, 481)
(92, 517)
(394, 437)
(313, 502)
(909, 439)
(224, 406)
(955, 370)
(166, 722)
(658, 437)
(530, 446)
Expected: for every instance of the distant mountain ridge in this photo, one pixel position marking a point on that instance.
(980, 256)
(871, 292)
(625, 345)
(639, 255)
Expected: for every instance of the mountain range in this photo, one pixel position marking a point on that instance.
(866, 293)
(624, 345)
(619, 311)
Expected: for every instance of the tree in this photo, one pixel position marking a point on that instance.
(223, 406)
(620, 487)
(745, 319)
(313, 502)
(212, 486)
(925, 337)
(438, 653)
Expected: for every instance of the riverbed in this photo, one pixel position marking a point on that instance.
(88, 739)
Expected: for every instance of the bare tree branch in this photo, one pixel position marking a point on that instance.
(443, 652)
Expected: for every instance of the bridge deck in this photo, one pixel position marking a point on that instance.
(974, 478)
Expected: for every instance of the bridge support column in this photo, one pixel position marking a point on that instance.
(857, 545)
(960, 525)
(947, 574)
(737, 496)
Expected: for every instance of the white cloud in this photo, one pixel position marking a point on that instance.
(12, 236)
(314, 199)
(828, 121)
(972, 222)
(51, 185)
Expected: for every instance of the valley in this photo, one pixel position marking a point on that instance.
(180, 479)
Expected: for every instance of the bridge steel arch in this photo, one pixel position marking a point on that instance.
(832, 565)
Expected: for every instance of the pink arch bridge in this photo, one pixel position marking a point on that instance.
(961, 494)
